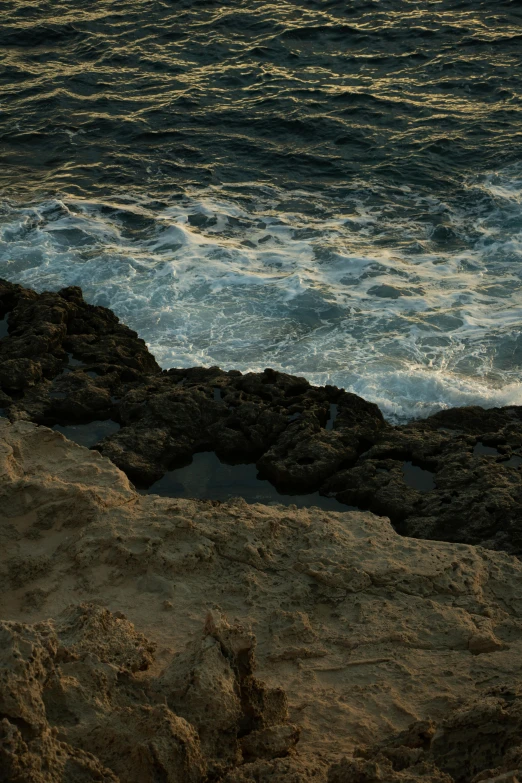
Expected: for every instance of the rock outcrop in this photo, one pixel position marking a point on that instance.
(73, 709)
(455, 476)
(478, 743)
(65, 361)
(379, 657)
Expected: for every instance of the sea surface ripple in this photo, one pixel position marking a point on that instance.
(331, 189)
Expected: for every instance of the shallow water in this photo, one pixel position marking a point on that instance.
(88, 434)
(480, 449)
(418, 478)
(207, 477)
(333, 190)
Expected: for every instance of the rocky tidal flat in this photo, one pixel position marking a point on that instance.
(454, 476)
(181, 640)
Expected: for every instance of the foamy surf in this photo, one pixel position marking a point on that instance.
(406, 300)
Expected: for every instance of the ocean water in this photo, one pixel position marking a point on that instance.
(329, 189)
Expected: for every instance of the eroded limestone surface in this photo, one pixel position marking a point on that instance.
(128, 627)
(73, 710)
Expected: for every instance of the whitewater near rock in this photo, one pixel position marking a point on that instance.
(366, 631)
(65, 362)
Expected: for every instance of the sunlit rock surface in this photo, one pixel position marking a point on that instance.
(360, 634)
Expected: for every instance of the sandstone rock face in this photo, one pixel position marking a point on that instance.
(73, 711)
(479, 742)
(455, 476)
(379, 657)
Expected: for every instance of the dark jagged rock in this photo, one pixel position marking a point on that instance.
(455, 476)
(474, 457)
(46, 331)
(164, 422)
(306, 454)
(67, 362)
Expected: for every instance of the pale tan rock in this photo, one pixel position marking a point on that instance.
(382, 771)
(481, 643)
(142, 744)
(289, 770)
(365, 630)
(270, 743)
(90, 629)
(44, 759)
(201, 686)
(73, 708)
(26, 658)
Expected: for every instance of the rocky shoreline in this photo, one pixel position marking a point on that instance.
(147, 639)
(455, 476)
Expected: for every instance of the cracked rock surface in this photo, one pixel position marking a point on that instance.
(72, 709)
(477, 743)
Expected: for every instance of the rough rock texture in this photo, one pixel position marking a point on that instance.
(474, 457)
(67, 362)
(482, 741)
(366, 631)
(72, 710)
(44, 328)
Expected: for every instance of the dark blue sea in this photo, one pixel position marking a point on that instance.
(332, 189)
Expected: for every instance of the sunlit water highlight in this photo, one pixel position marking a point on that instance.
(327, 190)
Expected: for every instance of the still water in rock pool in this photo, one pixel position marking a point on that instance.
(207, 477)
(88, 434)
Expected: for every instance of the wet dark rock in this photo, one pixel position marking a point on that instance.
(477, 495)
(454, 476)
(307, 454)
(164, 422)
(18, 373)
(45, 328)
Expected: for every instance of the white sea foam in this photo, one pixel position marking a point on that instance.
(407, 301)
